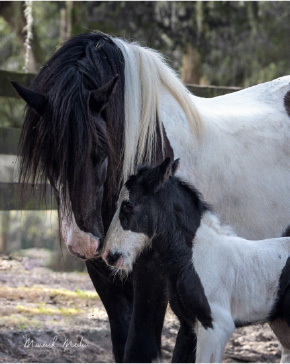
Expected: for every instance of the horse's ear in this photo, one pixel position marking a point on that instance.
(36, 101)
(175, 166)
(98, 99)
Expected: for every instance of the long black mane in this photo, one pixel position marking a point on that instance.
(58, 145)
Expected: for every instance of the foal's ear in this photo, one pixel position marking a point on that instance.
(159, 174)
(99, 99)
(175, 166)
(36, 101)
(165, 169)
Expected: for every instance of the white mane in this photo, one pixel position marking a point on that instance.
(146, 72)
(213, 222)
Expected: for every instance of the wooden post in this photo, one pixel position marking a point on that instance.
(191, 66)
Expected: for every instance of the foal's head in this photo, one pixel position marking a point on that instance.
(154, 205)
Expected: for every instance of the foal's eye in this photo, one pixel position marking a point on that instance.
(127, 207)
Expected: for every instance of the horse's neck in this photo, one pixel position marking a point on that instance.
(185, 144)
(232, 164)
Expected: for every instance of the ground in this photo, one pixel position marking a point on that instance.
(62, 313)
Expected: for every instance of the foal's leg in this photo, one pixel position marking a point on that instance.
(211, 342)
(117, 298)
(282, 331)
(150, 302)
(185, 346)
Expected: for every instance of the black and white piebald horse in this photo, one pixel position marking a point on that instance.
(99, 106)
(217, 280)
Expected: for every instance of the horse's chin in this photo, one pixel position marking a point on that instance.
(124, 266)
(83, 245)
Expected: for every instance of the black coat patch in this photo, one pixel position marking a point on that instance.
(287, 102)
(188, 300)
(282, 306)
(286, 232)
(169, 211)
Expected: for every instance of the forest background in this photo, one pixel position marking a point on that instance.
(224, 43)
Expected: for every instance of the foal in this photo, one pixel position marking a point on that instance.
(217, 280)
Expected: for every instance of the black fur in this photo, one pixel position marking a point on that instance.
(65, 141)
(185, 347)
(286, 232)
(287, 102)
(169, 211)
(73, 136)
(282, 306)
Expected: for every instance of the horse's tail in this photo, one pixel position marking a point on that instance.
(146, 71)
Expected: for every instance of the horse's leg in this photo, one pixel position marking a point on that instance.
(211, 342)
(282, 331)
(185, 346)
(117, 298)
(150, 302)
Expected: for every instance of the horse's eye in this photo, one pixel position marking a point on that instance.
(127, 207)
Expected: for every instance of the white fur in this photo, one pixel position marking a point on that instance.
(77, 241)
(127, 242)
(240, 279)
(235, 148)
(146, 73)
(241, 164)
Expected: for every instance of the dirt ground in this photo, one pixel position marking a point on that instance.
(56, 317)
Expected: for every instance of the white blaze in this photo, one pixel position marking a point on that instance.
(130, 244)
(78, 241)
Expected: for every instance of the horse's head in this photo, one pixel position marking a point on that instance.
(73, 157)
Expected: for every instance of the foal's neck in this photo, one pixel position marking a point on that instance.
(177, 223)
(174, 245)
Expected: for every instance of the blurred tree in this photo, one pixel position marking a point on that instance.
(218, 42)
(5, 225)
(12, 12)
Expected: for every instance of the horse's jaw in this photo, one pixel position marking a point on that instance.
(79, 243)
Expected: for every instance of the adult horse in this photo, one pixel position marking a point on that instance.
(86, 129)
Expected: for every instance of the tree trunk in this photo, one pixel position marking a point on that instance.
(12, 12)
(5, 223)
(66, 21)
(191, 66)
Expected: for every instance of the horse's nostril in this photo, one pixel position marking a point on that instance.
(113, 258)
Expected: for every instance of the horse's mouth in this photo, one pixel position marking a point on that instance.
(82, 256)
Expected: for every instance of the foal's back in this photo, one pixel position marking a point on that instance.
(248, 272)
